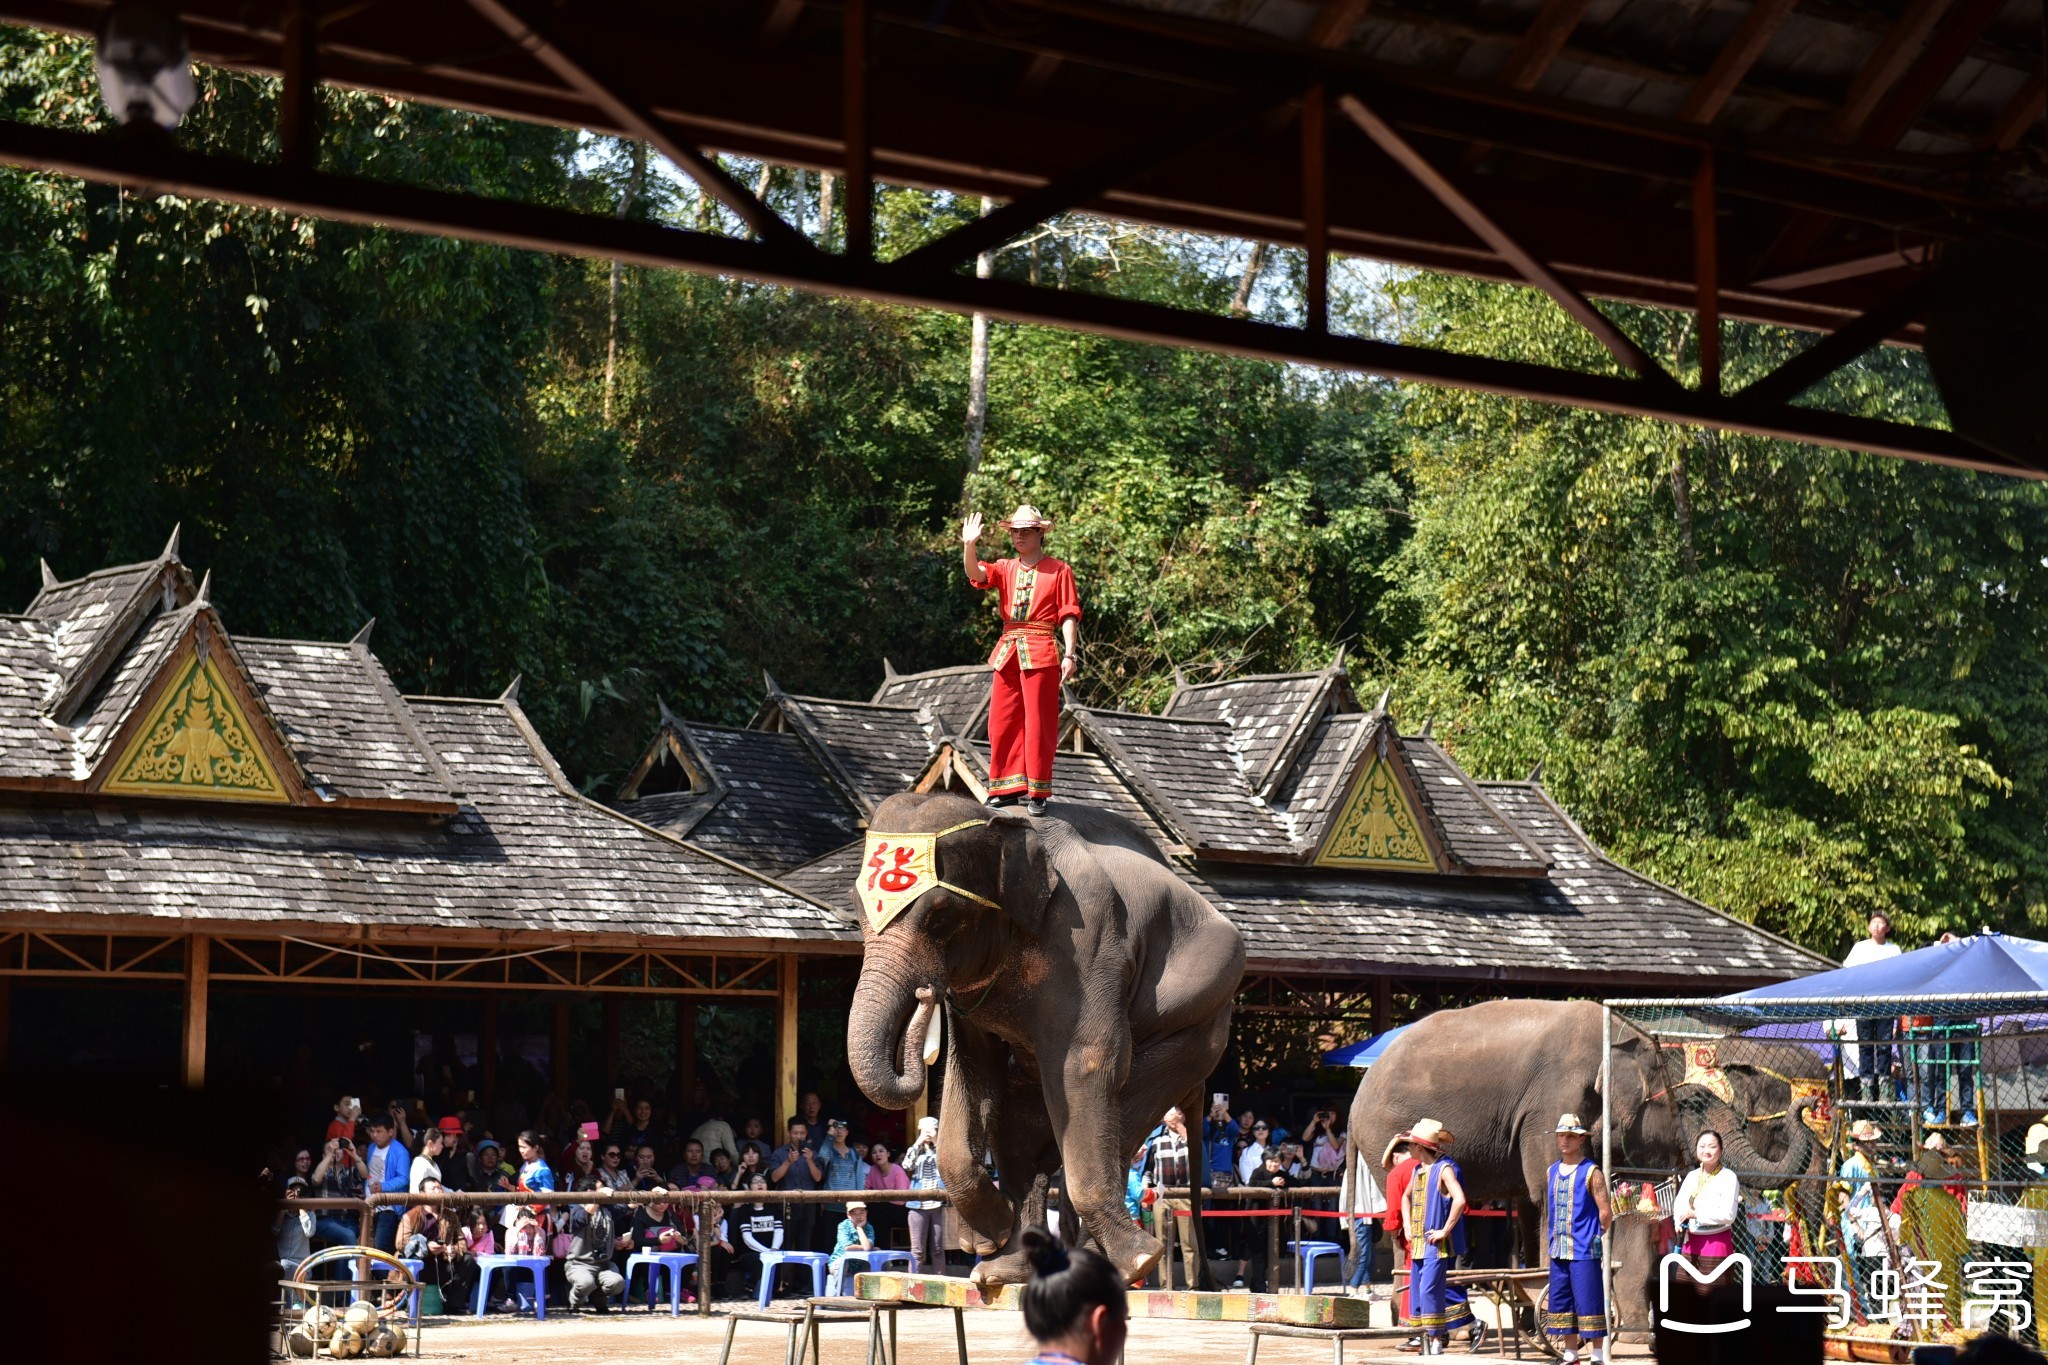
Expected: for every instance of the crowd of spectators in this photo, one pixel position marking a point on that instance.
(640, 1146)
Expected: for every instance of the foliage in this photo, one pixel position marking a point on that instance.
(1793, 682)
(1799, 684)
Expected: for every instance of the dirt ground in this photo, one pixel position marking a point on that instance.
(925, 1338)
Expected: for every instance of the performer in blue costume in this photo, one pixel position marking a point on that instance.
(1433, 1221)
(1577, 1211)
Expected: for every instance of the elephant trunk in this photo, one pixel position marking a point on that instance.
(893, 1011)
(1743, 1156)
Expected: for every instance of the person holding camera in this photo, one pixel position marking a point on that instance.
(1325, 1148)
(795, 1166)
(927, 1216)
(339, 1176)
(1168, 1168)
(294, 1227)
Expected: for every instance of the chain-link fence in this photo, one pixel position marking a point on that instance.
(1887, 1150)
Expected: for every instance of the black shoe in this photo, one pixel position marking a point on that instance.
(1035, 806)
(998, 802)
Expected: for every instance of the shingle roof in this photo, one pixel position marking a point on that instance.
(526, 854)
(344, 719)
(1474, 832)
(777, 809)
(1263, 712)
(1191, 768)
(829, 878)
(1313, 791)
(82, 612)
(957, 698)
(882, 749)
(30, 743)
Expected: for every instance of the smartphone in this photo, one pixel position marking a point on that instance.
(355, 1101)
(1218, 1097)
(472, 1097)
(619, 1093)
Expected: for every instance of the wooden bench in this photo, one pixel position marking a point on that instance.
(804, 1323)
(1336, 1336)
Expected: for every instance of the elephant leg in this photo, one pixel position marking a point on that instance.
(973, 1115)
(1026, 1157)
(1133, 1098)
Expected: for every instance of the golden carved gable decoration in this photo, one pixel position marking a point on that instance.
(1377, 827)
(198, 742)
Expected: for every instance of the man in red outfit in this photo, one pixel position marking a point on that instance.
(1040, 609)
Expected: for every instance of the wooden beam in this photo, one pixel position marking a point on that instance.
(785, 1044)
(611, 1041)
(1315, 210)
(1838, 348)
(1382, 1004)
(686, 1050)
(192, 1056)
(854, 131)
(1944, 53)
(1178, 138)
(558, 1049)
(1618, 342)
(298, 103)
(1335, 22)
(712, 178)
(1539, 47)
(1885, 65)
(602, 237)
(1706, 266)
(2018, 115)
(1713, 90)
(487, 1049)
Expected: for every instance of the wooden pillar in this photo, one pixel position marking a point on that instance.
(558, 1052)
(686, 1050)
(6, 1018)
(1382, 1004)
(487, 1050)
(860, 187)
(198, 960)
(1315, 224)
(785, 1044)
(611, 1041)
(1706, 259)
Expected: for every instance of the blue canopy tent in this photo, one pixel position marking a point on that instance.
(1989, 965)
(1366, 1053)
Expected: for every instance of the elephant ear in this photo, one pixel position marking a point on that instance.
(1027, 877)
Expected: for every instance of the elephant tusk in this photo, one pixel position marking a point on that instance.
(931, 1037)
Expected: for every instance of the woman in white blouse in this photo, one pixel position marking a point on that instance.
(1708, 1204)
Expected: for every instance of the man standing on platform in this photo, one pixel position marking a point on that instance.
(1576, 1211)
(1039, 605)
(1433, 1222)
(1874, 1036)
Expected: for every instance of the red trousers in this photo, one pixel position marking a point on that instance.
(1023, 729)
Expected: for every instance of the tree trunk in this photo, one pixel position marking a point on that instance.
(1241, 302)
(611, 344)
(825, 205)
(977, 361)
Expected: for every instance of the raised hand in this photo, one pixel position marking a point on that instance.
(970, 529)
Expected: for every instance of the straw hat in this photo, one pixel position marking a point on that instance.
(1426, 1133)
(1935, 1143)
(1026, 518)
(1863, 1130)
(1569, 1123)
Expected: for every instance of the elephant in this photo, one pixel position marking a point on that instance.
(1499, 1074)
(1084, 989)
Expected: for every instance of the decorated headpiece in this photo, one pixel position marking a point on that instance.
(901, 867)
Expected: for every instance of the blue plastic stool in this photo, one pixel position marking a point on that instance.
(669, 1263)
(418, 1268)
(1306, 1254)
(771, 1261)
(877, 1259)
(536, 1266)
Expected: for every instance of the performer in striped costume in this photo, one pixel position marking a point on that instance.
(1576, 1212)
(1433, 1222)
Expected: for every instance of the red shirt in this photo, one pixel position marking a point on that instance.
(1033, 602)
(1398, 1181)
